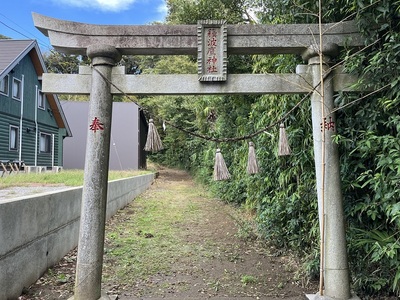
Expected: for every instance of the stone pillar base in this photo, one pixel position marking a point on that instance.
(104, 296)
(319, 297)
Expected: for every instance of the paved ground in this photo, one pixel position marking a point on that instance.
(21, 191)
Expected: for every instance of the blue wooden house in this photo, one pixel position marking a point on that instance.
(32, 124)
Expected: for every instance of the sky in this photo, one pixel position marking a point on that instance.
(16, 15)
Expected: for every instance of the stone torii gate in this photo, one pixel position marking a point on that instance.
(105, 44)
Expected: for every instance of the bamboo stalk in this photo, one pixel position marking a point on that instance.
(322, 233)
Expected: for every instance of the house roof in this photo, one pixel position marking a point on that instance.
(12, 52)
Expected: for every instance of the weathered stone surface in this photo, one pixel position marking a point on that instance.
(189, 85)
(319, 297)
(74, 37)
(328, 49)
(212, 59)
(329, 193)
(105, 54)
(94, 194)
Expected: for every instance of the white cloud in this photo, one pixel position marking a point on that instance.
(104, 5)
(162, 10)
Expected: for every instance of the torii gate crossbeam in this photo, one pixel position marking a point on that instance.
(74, 38)
(178, 84)
(105, 44)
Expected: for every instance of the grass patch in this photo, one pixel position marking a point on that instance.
(248, 279)
(65, 177)
(146, 238)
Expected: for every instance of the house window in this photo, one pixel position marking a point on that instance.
(16, 90)
(4, 86)
(41, 100)
(45, 142)
(14, 137)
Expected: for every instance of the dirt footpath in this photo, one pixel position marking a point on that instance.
(206, 250)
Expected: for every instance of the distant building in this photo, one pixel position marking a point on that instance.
(128, 136)
(32, 124)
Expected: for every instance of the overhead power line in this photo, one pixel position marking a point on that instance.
(31, 37)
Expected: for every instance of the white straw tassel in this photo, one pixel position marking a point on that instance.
(252, 166)
(153, 143)
(284, 148)
(220, 170)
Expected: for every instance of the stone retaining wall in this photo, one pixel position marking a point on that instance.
(37, 231)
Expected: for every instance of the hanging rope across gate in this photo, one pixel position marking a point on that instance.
(154, 143)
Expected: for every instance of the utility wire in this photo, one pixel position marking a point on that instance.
(41, 42)
(19, 32)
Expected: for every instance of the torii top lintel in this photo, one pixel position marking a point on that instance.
(74, 38)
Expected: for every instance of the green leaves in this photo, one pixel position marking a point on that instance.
(283, 194)
(188, 12)
(381, 248)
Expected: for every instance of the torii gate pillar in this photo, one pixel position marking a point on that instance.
(94, 196)
(335, 282)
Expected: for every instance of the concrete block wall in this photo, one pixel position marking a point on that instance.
(36, 232)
